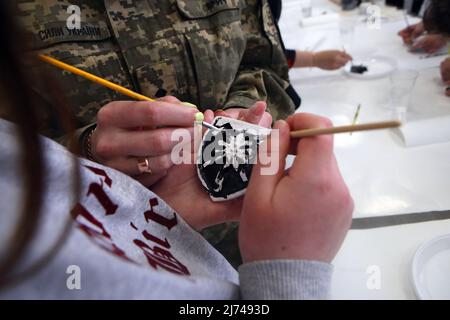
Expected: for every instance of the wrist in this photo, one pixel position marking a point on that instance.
(303, 59)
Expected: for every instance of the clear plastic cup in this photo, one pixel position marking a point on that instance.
(402, 85)
(306, 8)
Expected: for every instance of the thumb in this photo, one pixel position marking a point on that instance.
(254, 114)
(269, 169)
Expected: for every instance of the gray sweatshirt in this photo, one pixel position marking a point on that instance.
(127, 243)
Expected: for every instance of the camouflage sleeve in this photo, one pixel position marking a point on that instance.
(263, 73)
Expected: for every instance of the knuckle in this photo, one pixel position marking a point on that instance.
(324, 186)
(151, 114)
(104, 148)
(158, 142)
(335, 192)
(104, 115)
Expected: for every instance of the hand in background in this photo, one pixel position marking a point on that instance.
(330, 59)
(430, 43)
(409, 34)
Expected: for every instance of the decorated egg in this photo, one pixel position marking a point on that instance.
(226, 157)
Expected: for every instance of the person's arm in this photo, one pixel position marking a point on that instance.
(326, 60)
(296, 219)
(263, 73)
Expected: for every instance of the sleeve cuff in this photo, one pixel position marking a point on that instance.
(290, 57)
(285, 279)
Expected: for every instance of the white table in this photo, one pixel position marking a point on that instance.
(384, 177)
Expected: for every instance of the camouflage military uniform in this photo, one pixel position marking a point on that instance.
(213, 53)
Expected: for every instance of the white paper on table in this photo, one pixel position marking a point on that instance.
(320, 19)
(425, 131)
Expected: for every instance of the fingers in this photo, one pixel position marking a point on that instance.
(416, 32)
(209, 115)
(129, 165)
(403, 36)
(132, 114)
(266, 120)
(331, 59)
(254, 114)
(264, 180)
(346, 56)
(303, 121)
(411, 32)
(342, 59)
(139, 143)
(406, 32)
(312, 152)
(407, 40)
(421, 44)
(430, 43)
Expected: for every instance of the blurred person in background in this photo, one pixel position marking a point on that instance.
(326, 60)
(427, 37)
(437, 20)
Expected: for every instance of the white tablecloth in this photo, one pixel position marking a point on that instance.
(384, 176)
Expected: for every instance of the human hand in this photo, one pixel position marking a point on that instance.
(412, 32)
(430, 43)
(182, 189)
(127, 130)
(330, 59)
(302, 213)
(256, 114)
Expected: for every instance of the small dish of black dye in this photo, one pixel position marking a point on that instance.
(360, 69)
